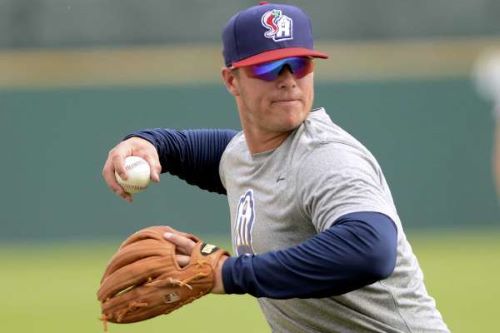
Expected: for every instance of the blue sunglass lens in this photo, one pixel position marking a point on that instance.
(270, 71)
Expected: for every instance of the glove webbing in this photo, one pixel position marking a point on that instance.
(159, 283)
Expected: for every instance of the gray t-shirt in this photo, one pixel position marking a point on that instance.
(283, 197)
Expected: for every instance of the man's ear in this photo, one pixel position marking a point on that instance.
(231, 81)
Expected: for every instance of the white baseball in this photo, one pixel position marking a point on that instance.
(138, 173)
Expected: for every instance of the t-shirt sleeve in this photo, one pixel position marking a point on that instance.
(337, 179)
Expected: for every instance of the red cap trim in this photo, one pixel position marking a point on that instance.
(279, 54)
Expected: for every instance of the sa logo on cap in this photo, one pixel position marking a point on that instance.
(279, 27)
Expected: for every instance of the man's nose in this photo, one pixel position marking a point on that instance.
(286, 78)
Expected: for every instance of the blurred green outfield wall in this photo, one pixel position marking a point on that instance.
(76, 23)
(433, 139)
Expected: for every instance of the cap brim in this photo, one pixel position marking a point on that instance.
(278, 54)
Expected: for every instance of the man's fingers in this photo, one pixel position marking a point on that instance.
(183, 244)
(108, 174)
(155, 167)
(126, 196)
(122, 194)
(174, 231)
(118, 164)
(182, 260)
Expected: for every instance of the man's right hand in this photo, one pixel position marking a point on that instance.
(131, 147)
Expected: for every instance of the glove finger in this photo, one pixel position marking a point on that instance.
(136, 251)
(134, 274)
(161, 296)
(140, 303)
(144, 303)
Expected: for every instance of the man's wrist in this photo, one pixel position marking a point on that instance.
(219, 284)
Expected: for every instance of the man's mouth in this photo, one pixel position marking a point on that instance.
(286, 100)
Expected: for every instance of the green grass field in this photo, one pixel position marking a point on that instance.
(51, 288)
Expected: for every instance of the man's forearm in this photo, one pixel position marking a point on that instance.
(192, 155)
(359, 249)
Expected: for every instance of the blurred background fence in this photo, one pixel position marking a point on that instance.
(77, 76)
(73, 23)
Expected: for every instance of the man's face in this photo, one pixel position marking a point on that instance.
(271, 107)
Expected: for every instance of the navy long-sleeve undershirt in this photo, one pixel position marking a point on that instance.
(191, 155)
(357, 250)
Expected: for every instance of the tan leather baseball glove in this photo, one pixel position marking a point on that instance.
(143, 279)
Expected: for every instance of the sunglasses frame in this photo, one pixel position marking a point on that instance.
(270, 71)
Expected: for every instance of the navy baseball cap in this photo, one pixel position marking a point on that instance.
(267, 32)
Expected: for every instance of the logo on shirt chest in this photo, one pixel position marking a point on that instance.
(245, 220)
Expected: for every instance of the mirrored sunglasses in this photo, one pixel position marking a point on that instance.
(269, 71)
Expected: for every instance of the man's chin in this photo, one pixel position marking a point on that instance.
(292, 123)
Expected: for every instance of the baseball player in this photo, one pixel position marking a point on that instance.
(316, 236)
